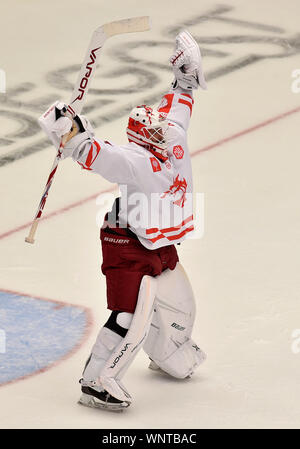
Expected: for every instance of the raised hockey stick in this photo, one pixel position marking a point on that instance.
(132, 25)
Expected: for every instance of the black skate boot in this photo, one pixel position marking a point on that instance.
(96, 397)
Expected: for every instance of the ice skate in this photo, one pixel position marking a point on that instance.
(96, 397)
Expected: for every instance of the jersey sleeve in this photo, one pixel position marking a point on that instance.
(106, 159)
(177, 106)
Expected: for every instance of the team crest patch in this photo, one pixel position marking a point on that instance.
(155, 164)
(178, 152)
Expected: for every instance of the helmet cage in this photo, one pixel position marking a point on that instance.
(148, 128)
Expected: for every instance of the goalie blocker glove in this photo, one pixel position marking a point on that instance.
(56, 124)
(187, 63)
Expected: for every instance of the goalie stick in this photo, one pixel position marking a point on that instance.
(132, 25)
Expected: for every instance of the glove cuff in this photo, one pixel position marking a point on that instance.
(186, 81)
(72, 146)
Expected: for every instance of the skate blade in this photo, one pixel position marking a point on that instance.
(89, 401)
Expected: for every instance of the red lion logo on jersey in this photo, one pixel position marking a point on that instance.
(177, 188)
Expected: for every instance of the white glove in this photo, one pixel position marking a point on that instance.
(62, 126)
(56, 125)
(187, 63)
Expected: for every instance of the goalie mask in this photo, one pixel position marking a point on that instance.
(148, 128)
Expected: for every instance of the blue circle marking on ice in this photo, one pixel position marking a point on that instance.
(35, 333)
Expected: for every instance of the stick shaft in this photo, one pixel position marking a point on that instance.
(80, 90)
(134, 24)
(30, 238)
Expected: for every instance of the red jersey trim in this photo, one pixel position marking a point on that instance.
(187, 103)
(172, 237)
(166, 109)
(189, 96)
(174, 228)
(91, 157)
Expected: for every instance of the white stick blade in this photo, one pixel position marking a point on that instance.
(132, 25)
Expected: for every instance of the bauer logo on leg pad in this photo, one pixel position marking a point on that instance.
(179, 328)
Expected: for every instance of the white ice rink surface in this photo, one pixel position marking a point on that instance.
(245, 269)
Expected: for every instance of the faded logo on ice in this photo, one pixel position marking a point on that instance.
(47, 331)
(242, 43)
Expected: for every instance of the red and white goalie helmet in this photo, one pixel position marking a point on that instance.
(148, 128)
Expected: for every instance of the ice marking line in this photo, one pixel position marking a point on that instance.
(59, 211)
(246, 131)
(37, 315)
(195, 153)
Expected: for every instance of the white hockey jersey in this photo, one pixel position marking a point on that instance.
(156, 197)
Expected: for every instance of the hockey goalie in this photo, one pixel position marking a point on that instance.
(148, 292)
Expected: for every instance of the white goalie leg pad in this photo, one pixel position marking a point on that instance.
(125, 352)
(169, 342)
(107, 340)
(183, 361)
(93, 394)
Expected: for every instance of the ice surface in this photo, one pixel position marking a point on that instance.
(244, 271)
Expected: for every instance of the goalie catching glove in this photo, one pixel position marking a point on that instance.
(187, 64)
(55, 124)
